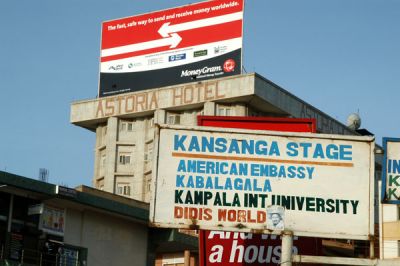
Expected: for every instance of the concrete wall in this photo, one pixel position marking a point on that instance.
(109, 240)
(137, 142)
(390, 245)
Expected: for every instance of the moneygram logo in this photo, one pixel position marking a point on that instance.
(200, 71)
(229, 65)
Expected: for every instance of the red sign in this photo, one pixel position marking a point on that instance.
(198, 41)
(240, 249)
(260, 123)
(237, 249)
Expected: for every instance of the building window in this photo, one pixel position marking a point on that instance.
(125, 158)
(126, 126)
(123, 189)
(173, 119)
(147, 178)
(148, 154)
(224, 111)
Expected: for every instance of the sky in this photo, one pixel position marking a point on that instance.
(341, 56)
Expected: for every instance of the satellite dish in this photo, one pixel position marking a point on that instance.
(354, 121)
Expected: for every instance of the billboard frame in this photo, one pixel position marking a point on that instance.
(167, 31)
(384, 200)
(368, 228)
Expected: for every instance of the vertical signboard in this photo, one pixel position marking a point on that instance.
(248, 248)
(226, 179)
(391, 171)
(179, 45)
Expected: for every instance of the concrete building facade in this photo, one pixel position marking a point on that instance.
(124, 124)
(45, 224)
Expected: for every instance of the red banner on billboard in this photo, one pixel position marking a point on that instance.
(194, 42)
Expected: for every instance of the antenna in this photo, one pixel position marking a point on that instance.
(43, 175)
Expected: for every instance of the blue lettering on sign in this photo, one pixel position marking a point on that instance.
(393, 166)
(221, 145)
(319, 151)
(305, 150)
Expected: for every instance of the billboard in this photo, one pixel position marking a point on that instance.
(240, 249)
(248, 248)
(391, 171)
(230, 179)
(174, 46)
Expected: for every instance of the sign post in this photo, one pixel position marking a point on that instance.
(287, 245)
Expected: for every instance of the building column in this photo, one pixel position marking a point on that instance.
(240, 109)
(209, 108)
(111, 154)
(10, 213)
(159, 116)
(186, 257)
(97, 158)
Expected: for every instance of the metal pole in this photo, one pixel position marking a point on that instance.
(186, 257)
(372, 249)
(287, 246)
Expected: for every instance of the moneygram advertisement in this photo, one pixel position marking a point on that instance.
(391, 171)
(174, 46)
(238, 180)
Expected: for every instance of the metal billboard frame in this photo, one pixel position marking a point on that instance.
(367, 233)
(385, 141)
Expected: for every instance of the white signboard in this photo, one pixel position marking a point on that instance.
(391, 171)
(228, 179)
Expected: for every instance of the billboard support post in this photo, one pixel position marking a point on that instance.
(287, 246)
(372, 248)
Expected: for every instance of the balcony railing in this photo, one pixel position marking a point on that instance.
(28, 257)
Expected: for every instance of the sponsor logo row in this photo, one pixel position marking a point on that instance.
(171, 58)
(228, 66)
